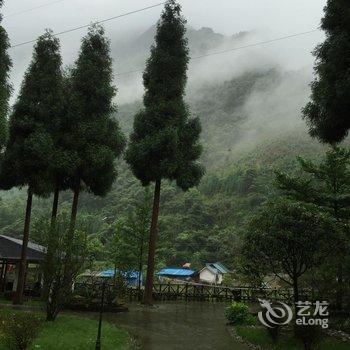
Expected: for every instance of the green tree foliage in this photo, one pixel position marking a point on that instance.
(121, 252)
(328, 112)
(5, 87)
(165, 142)
(326, 185)
(138, 226)
(57, 291)
(127, 244)
(288, 239)
(30, 146)
(93, 137)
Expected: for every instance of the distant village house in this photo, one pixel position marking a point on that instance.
(212, 273)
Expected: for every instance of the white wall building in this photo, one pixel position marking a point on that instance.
(212, 273)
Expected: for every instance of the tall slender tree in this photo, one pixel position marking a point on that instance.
(62, 165)
(138, 226)
(165, 142)
(5, 87)
(30, 147)
(93, 136)
(328, 114)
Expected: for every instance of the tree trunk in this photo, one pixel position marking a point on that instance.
(18, 296)
(140, 265)
(55, 206)
(295, 290)
(148, 298)
(340, 288)
(73, 217)
(51, 243)
(73, 220)
(70, 240)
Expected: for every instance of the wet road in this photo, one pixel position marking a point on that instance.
(178, 326)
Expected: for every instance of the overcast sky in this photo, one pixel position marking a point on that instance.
(277, 17)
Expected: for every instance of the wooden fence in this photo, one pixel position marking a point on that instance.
(203, 292)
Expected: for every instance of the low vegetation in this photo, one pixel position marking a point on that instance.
(23, 330)
(260, 337)
(238, 314)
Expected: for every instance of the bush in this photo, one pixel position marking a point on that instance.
(238, 314)
(310, 336)
(274, 329)
(274, 332)
(19, 329)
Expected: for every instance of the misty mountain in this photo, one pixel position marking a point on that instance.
(134, 50)
(251, 120)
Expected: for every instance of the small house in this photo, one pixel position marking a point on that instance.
(212, 273)
(175, 274)
(10, 257)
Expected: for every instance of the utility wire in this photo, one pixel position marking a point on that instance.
(233, 49)
(97, 22)
(32, 9)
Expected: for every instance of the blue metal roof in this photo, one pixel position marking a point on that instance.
(176, 272)
(125, 274)
(220, 267)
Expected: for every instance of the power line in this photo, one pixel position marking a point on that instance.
(97, 22)
(256, 44)
(233, 49)
(32, 9)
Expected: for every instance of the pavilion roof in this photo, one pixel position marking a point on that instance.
(10, 249)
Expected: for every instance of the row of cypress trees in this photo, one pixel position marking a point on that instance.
(62, 135)
(61, 131)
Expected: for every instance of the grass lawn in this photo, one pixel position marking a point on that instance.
(259, 336)
(30, 302)
(76, 333)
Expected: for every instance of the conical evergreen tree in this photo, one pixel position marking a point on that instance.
(5, 88)
(328, 114)
(165, 142)
(31, 147)
(94, 137)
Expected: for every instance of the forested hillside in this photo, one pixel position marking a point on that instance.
(251, 126)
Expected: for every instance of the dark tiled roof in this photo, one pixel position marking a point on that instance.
(10, 249)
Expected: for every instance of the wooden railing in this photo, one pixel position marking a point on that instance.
(204, 292)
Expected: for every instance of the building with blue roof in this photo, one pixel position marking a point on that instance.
(176, 274)
(131, 277)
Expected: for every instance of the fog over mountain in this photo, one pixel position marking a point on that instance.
(131, 36)
(249, 101)
(242, 96)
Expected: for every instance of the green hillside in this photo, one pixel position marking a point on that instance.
(205, 223)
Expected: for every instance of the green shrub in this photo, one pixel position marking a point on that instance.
(310, 336)
(238, 314)
(19, 329)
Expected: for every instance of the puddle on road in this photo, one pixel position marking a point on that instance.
(178, 326)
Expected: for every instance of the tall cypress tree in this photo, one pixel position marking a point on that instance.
(61, 164)
(94, 138)
(30, 147)
(165, 141)
(5, 88)
(328, 114)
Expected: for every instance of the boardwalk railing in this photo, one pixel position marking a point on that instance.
(204, 292)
